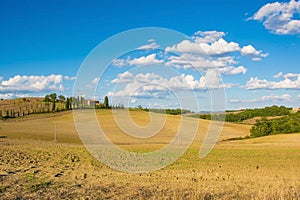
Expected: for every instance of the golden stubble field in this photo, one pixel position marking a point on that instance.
(42, 158)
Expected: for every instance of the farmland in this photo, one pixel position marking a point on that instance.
(43, 157)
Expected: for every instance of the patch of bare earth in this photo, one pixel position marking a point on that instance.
(33, 168)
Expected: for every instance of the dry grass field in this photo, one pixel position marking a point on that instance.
(42, 158)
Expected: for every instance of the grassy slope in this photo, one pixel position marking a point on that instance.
(260, 168)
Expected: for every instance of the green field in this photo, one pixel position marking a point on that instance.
(42, 157)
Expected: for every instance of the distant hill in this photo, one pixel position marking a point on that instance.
(243, 115)
(266, 121)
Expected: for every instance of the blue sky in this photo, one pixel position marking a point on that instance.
(252, 45)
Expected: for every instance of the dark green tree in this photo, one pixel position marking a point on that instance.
(261, 128)
(61, 98)
(139, 107)
(73, 102)
(47, 98)
(68, 104)
(53, 97)
(106, 103)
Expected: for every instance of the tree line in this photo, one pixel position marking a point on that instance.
(78, 102)
(52, 103)
(25, 106)
(286, 124)
(285, 121)
(176, 111)
(248, 114)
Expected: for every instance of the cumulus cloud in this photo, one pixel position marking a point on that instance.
(290, 81)
(190, 60)
(256, 55)
(132, 100)
(125, 77)
(93, 83)
(207, 36)
(212, 43)
(31, 84)
(144, 60)
(270, 98)
(205, 50)
(213, 80)
(68, 78)
(280, 18)
(95, 80)
(139, 86)
(278, 75)
(152, 45)
(218, 47)
(153, 85)
(7, 96)
(210, 50)
(232, 70)
(12, 95)
(120, 62)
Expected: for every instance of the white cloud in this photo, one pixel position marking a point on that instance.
(212, 80)
(125, 77)
(218, 47)
(93, 83)
(290, 81)
(232, 70)
(187, 60)
(186, 46)
(278, 75)
(256, 59)
(206, 50)
(270, 98)
(95, 80)
(212, 43)
(132, 100)
(221, 47)
(144, 60)
(255, 83)
(209, 50)
(207, 36)
(280, 18)
(154, 85)
(290, 75)
(12, 95)
(22, 85)
(68, 78)
(7, 96)
(152, 45)
(256, 55)
(120, 62)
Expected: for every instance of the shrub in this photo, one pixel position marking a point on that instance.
(287, 124)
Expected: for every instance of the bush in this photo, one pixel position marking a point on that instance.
(287, 124)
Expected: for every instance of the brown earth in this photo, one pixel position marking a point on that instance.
(34, 166)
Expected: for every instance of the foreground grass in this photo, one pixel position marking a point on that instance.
(36, 167)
